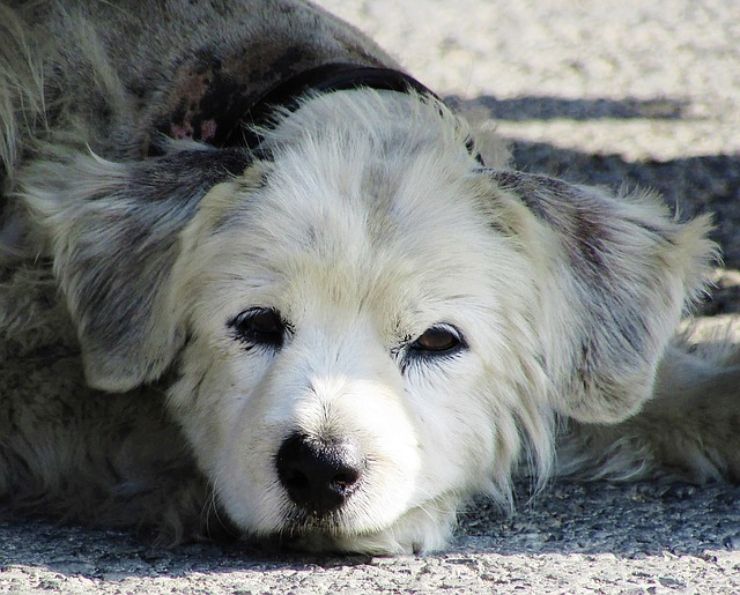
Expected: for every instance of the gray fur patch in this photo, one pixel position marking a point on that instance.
(116, 288)
(615, 282)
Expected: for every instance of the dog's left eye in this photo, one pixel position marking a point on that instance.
(260, 326)
(440, 339)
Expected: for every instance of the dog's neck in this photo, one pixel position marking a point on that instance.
(327, 78)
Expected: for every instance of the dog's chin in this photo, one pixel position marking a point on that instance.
(420, 530)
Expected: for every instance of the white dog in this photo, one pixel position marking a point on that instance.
(244, 214)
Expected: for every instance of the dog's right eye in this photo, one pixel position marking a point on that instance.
(260, 326)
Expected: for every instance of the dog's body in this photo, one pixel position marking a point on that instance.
(355, 323)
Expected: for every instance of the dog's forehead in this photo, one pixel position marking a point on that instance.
(359, 229)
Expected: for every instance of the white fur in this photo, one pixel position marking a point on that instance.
(356, 242)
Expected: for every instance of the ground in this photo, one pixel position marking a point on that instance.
(599, 92)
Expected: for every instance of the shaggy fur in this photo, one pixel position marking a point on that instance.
(140, 239)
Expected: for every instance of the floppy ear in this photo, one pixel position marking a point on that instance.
(114, 232)
(613, 275)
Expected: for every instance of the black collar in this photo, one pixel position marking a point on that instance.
(335, 76)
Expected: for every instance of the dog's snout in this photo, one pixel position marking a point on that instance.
(318, 476)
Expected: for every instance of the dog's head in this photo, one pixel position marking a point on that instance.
(366, 325)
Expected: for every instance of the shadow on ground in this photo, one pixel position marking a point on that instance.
(522, 109)
(628, 521)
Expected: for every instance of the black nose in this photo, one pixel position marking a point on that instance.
(318, 476)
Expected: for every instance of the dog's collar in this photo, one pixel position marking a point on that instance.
(327, 78)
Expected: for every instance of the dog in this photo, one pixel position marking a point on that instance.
(254, 275)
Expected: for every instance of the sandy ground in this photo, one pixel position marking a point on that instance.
(601, 92)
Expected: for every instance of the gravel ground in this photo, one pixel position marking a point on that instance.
(598, 92)
(639, 538)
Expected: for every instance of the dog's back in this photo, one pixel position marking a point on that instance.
(120, 77)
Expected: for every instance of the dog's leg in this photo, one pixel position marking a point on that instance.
(70, 451)
(689, 430)
(99, 459)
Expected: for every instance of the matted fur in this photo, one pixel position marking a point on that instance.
(132, 240)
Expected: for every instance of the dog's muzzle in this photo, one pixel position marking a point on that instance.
(319, 476)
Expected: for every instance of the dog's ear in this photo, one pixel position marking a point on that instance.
(114, 231)
(612, 275)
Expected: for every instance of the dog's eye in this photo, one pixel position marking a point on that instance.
(438, 340)
(260, 326)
